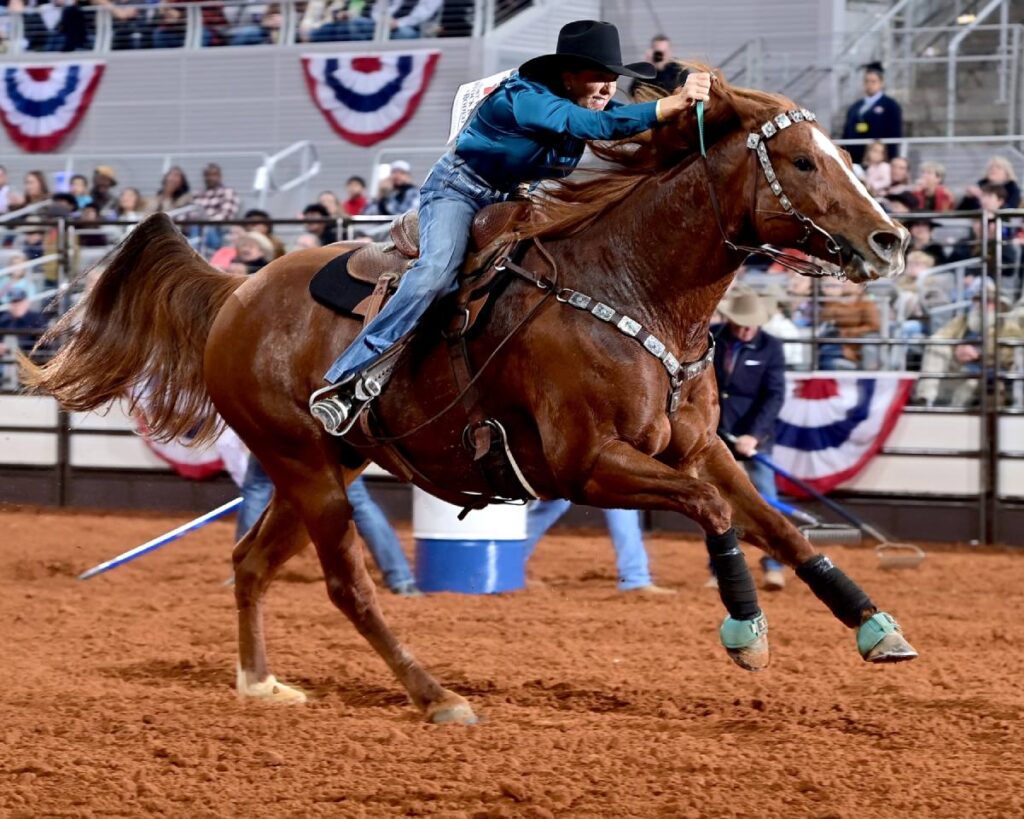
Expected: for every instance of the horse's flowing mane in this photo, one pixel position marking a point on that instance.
(568, 206)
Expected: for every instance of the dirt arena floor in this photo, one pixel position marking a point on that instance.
(118, 701)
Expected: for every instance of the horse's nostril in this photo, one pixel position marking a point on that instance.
(885, 243)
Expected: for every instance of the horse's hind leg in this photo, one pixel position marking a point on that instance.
(277, 535)
(319, 489)
(878, 636)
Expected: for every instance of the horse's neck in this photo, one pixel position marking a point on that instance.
(661, 257)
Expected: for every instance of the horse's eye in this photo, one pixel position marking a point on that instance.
(802, 163)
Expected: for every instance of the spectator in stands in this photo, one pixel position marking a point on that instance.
(999, 171)
(32, 239)
(318, 222)
(61, 204)
(355, 192)
(931, 193)
(783, 327)
(329, 201)
(412, 19)
(908, 304)
(174, 191)
(966, 358)
(899, 176)
(79, 188)
(90, 233)
(306, 241)
(850, 313)
(16, 278)
(36, 190)
(877, 171)
(104, 180)
(634, 574)
(921, 238)
(750, 368)
(19, 316)
(670, 73)
(254, 251)
(130, 206)
(5, 191)
(217, 201)
(876, 116)
(253, 23)
(993, 198)
(905, 202)
(259, 221)
(401, 196)
(332, 20)
(131, 26)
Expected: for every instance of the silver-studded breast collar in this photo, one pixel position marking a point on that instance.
(678, 372)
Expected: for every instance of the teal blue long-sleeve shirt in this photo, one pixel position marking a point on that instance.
(524, 132)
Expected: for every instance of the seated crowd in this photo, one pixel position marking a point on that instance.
(136, 24)
(918, 317)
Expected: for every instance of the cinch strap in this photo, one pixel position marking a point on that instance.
(831, 586)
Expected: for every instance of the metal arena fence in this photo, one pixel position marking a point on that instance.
(47, 266)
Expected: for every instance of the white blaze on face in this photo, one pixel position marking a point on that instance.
(829, 149)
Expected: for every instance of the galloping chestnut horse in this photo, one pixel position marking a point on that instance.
(585, 397)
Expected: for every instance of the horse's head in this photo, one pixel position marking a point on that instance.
(800, 187)
(807, 196)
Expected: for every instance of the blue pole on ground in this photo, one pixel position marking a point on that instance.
(163, 540)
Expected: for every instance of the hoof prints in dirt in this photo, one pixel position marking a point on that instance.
(186, 672)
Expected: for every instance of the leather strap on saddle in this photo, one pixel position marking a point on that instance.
(375, 303)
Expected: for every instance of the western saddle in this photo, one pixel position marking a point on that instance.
(383, 263)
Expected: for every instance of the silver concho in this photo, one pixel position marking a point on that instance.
(629, 326)
(808, 115)
(753, 140)
(796, 116)
(784, 201)
(654, 346)
(783, 121)
(671, 364)
(769, 130)
(603, 311)
(776, 188)
(580, 300)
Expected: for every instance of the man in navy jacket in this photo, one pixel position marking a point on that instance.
(751, 372)
(875, 116)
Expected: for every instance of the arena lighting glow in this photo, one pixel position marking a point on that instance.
(966, 19)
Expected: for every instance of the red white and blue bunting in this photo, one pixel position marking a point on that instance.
(368, 97)
(831, 426)
(41, 104)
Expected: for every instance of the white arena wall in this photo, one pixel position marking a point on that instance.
(930, 460)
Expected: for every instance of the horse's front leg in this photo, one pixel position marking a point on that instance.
(623, 477)
(878, 635)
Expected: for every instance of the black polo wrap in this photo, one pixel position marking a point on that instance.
(735, 583)
(846, 600)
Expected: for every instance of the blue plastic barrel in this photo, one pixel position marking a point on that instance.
(483, 554)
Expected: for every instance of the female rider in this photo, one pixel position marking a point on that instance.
(533, 126)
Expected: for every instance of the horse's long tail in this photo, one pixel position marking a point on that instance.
(140, 334)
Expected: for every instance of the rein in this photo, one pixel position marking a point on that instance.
(756, 143)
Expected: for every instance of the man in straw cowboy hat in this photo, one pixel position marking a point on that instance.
(533, 126)
(751, 372)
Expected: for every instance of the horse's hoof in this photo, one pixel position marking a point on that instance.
(880, 640)
(269, 690)
(452, 710)
(746, 642)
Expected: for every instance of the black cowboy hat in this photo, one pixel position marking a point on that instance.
(590, 44)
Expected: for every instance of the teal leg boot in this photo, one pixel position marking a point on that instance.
(880, 640)
(746, 642)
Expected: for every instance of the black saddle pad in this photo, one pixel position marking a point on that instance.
(336, 290)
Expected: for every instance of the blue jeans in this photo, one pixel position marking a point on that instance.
(449, 200)
(764, 482)
(355, 28)
(623, 526)
(372, 525)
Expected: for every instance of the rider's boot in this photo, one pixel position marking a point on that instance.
(338, 411)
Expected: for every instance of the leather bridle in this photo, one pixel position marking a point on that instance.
(757, 143)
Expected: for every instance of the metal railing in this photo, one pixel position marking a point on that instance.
(240, 23)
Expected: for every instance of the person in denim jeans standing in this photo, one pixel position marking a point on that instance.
(627, 540)
(533, 126)
(371, 524)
